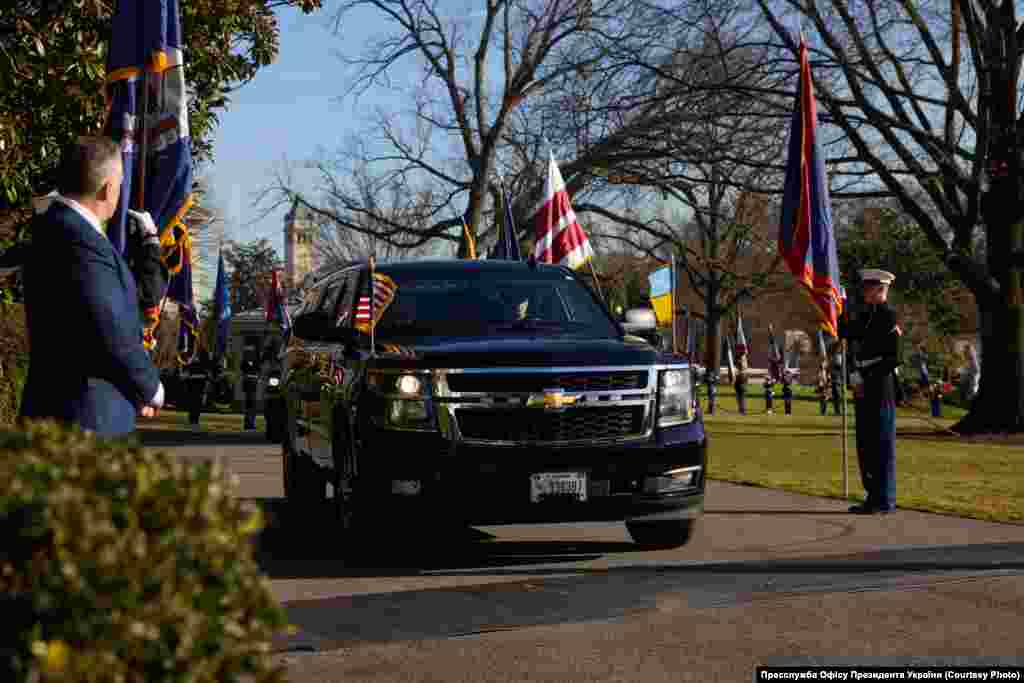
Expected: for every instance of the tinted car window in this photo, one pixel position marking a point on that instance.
(477, 306)
(330, 296)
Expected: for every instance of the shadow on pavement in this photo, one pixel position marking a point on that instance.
(285, 550)
(170, 438)
(317, 551)
(582, 595)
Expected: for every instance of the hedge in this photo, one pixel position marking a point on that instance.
(118, 564)
(13, 359)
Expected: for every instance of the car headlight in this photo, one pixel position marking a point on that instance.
(409, 385)
(273, 381)
(675, 397)
(400, 384)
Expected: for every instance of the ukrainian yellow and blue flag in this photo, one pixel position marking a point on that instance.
(806, 237)
(661, 294)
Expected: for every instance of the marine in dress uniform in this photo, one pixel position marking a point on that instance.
(197, 377)
(876, 336)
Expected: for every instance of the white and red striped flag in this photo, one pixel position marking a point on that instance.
(560, 238)
(384, 289)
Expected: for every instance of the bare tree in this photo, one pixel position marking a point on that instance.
(927, 95)
(716, 163)
(484, 77)
(336, 243)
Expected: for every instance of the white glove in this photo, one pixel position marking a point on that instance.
(144, 225)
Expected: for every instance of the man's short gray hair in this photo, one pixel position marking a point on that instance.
(86, 164)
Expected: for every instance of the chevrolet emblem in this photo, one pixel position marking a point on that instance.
(551, 399)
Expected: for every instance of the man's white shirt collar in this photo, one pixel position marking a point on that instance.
(85, 213)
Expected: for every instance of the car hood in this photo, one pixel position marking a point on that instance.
(527, 352)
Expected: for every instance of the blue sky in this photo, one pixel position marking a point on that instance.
(288, 110)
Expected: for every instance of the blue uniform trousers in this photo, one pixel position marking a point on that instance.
(876, 451)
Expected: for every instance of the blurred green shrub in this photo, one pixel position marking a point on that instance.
(117, 564)
(13, 359)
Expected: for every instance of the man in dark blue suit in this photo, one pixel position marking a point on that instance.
(87, 365)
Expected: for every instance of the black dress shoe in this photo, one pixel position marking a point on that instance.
(863, 509)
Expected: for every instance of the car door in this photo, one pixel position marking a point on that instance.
(300, 381)
(316, 399)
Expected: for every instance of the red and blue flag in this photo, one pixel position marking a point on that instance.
(277, 309)
(806, 236)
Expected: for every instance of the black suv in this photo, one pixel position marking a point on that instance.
(490, 391)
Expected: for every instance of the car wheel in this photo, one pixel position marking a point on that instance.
(662, 534)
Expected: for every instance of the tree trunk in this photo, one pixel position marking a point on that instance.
(999, 405)
(713, 340)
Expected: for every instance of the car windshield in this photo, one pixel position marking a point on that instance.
(481, 306)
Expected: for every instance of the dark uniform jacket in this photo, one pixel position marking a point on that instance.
(87, 364)
(250, 375)
(877, 351)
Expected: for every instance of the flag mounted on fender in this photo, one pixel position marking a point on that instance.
(560, 238)
(368, 313)
(806, 237)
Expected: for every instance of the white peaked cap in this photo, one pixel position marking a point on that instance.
(875, 275)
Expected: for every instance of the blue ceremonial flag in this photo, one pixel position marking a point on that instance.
(221, 307)
(507, 247)
(806, 238)
(146, 45)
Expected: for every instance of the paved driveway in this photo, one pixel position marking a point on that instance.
(771, 576)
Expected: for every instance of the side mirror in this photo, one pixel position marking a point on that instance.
(640, 320)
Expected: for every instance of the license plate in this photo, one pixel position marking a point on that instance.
(565, 485)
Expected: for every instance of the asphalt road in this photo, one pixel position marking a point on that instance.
(770, 578)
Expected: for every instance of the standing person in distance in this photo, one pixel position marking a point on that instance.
(198, 374)
(78, 287)
(250, 384)
(877, 336)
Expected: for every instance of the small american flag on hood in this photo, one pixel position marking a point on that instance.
(384, 289)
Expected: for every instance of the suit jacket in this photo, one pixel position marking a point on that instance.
(87, 365)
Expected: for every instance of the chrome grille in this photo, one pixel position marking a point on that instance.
(514, 382)
(531, 425)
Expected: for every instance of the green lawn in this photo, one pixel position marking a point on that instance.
(935, 470)
(211, 422)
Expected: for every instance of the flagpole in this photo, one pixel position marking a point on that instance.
(373, 348)
(846, 469)
(672, 272)
(143, 138)
(597, 283)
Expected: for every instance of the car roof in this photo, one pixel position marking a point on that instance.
(441, 268)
